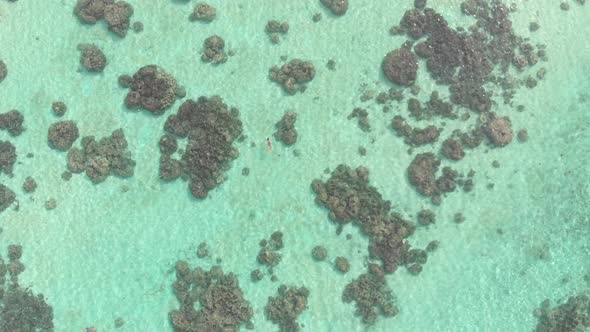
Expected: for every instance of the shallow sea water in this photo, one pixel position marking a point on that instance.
(104, 253)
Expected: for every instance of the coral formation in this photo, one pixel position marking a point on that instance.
(293, 75)
(214, 50)
(269, 254)
(400, 66)
(342, 264)
(422, 175)
(7, 157)
(498, 130)
(211, 129)
(116, 14)
(62, 135)
(152, 89)
(284, 308)
(350, 198)
(92, 58)
(99, 159)
(20, 308)
(221, 303)
(319, 253)
(12, 122)
(59, 108)
(453, 149)
(7, 197)
(3, 71)
(363, 118)
(337, 7)
(30, 185)
(372, 297)
(426, 217)
(574, 315)
(203, 12)
(414, 136)
(286, 131)
(275, 29)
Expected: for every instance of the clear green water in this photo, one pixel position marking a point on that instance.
(104, 253)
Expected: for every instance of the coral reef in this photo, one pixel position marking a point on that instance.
(414, 136)
(221, 303)
(453, 149)
(62, 135)
(572, 316)
(284, 308)
(286, 131)
(349, 197)
(337, 7)
(372, 297)
(7, 197)
(400, 67)
(275, 30)
(92, 58)
(422, 175)
(30, 185)
(498, 129)
(363, 118)
(116, 14)
(99, 159)
(203, 12)
(59, 108)
(319, 253)
(7, 157)
(152, 89)
(426, 217)
(269, 254)
(211, 129)
(342, 264)
(12, 122)
(3, 71)
(214, 50)
(293, 75)
(20, 308)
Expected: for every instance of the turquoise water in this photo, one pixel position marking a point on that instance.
(104, 253)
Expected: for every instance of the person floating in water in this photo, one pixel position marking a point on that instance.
(268, 145)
